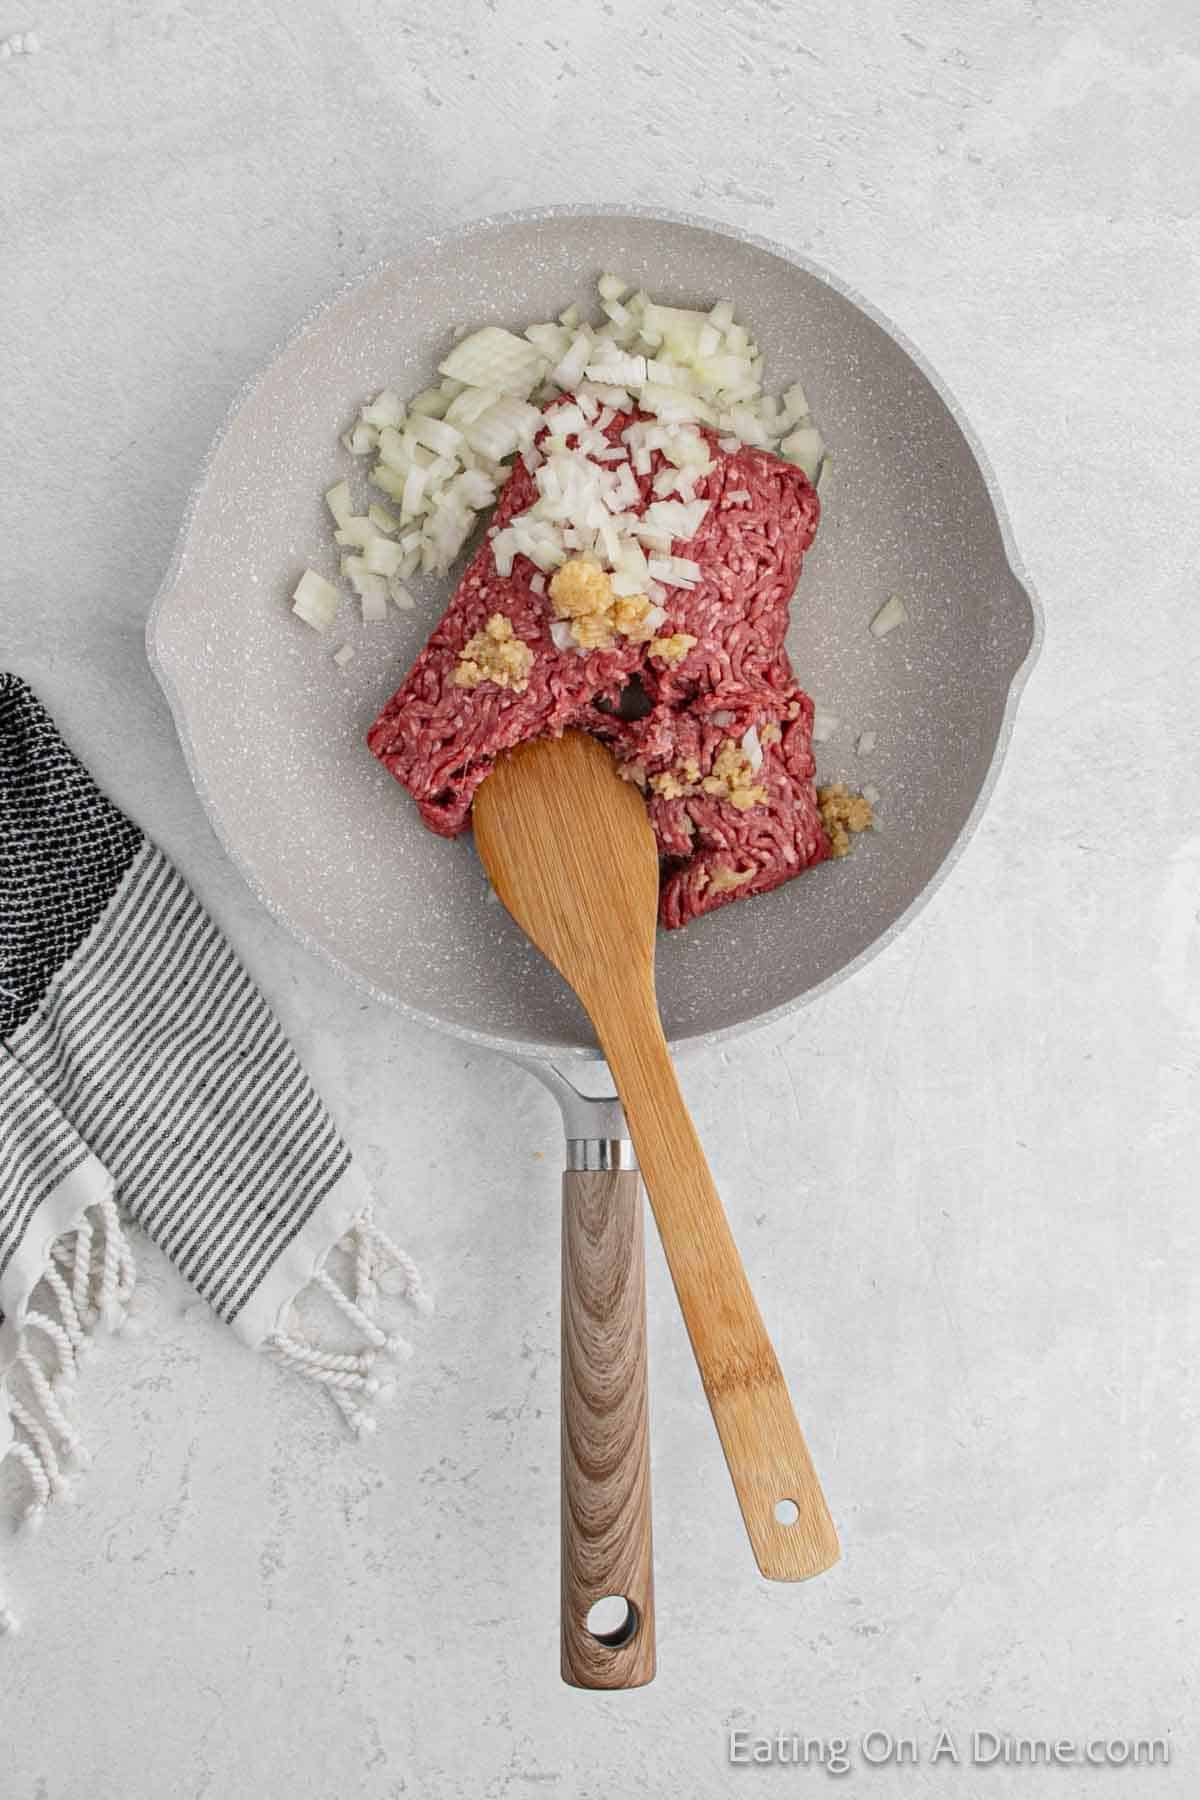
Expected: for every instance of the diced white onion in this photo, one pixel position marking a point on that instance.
(436, 435)
(604, 393)
(315, 600)
(504, 550)
(865, 743)
(672, 519)
(388, 480)
(494, 358)
(386, 408)
(470, 405)
(795, 402)
(474, 489)
(374, 599)
(443, 457)
(871, 794)
(553, 341)
(361, 439)
(355, 532)
(825, 725)
(684, 572)
(752, 748)
(892, 613)
(498, 431)
(432, 402)
(343, 655)
(338, 500)
(618, 370)
(383, 556)
(560, 631)
(413, 496)
(568, 373)
(804, 447)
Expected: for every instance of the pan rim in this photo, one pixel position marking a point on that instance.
(518, 1046)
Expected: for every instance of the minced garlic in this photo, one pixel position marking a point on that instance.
(668, 786)
(579, 589)
(731, 778)
(582, 592)
(842, 812)
(721, 880)
(592, 631)
(629, 615)
(677, 784)
(673, 649)
(494, 654)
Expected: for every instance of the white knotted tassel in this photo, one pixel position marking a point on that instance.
(364, 1258)
(52, 1413)
(400, 1271)
(68, 1312)
(88, 1273)
(60, 1338)
(81, 1269)
(347, 1376)
(108, 1300)
(361, 1423)
(373, 1333)
(309, 1356)
(39, 1481)
(42, 1446)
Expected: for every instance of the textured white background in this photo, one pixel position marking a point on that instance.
(965, 1184)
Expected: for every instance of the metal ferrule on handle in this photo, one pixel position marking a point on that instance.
(601, 1153)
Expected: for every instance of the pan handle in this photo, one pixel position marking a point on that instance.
(607, 1554)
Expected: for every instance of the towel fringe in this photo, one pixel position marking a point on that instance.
(374, 1264)
(56, 1334)
(86, 1287)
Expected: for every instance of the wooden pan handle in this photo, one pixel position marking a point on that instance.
(786, 1517)
(606, 1537)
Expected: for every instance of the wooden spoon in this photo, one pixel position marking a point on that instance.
(570, 851)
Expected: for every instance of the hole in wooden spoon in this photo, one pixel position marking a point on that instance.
(613, 1621)
(787, 1512)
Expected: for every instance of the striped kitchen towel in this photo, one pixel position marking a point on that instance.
(144, 1079)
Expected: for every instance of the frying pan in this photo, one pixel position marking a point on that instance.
(273, 736)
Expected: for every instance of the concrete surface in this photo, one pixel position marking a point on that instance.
(964, 1184)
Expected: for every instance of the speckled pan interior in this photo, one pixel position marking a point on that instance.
(274, 732)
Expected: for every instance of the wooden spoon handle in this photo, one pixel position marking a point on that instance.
(764, 1446)
(606, 1537)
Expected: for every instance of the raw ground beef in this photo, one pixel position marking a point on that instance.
(440, 739)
